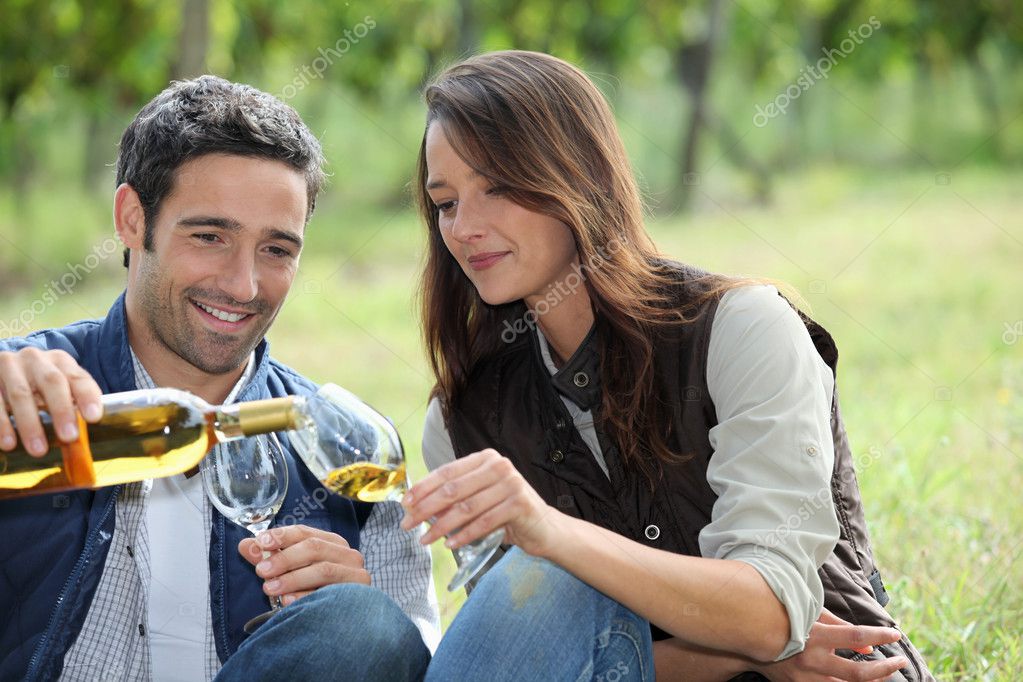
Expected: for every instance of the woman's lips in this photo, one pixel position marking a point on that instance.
(486, 260)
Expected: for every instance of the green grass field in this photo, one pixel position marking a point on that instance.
(918, 279)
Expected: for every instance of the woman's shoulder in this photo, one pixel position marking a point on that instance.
(756, 315)
(753, 300)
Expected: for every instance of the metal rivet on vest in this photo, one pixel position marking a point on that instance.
(559, 424)
(811, 451)
(557, 456)
(581, 379)
(652, 532)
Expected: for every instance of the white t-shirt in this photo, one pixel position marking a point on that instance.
(179, 591)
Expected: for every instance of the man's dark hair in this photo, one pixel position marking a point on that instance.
(208, 115)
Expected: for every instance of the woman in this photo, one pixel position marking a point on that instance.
(583, 383)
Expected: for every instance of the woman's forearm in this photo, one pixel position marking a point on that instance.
(719, 604)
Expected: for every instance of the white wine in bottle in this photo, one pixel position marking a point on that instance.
(143, 434)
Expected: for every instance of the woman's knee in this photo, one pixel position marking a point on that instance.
(525, 585)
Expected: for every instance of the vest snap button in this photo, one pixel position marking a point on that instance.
(557, 456)
(652, 532)
(811, 451)
(581, 379)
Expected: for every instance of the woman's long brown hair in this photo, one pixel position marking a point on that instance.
(536, 125)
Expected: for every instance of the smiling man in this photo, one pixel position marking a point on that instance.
(215, 184)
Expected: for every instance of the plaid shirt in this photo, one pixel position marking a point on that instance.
(113, 642)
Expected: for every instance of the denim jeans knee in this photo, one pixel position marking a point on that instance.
(339, 632)
(529, 619)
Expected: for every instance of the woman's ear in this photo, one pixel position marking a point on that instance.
(129, 217)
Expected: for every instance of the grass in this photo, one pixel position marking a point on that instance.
(917, 280)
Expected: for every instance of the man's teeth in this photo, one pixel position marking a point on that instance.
(223, 314)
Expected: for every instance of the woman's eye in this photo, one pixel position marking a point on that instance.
(445, 207)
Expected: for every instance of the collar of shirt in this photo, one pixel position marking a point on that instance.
(579, 378)
(143, 380)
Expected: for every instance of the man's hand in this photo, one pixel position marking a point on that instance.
(32, 379)
(302, 559)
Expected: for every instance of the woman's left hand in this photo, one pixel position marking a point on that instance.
(476, 495)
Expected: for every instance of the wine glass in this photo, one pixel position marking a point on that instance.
(246, 480)
(356, 452)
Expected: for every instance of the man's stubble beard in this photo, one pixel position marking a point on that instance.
(182, 336)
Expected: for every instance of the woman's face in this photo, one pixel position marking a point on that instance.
(507, 252)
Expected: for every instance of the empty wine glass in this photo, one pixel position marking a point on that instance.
(246, 480)
(356, 452)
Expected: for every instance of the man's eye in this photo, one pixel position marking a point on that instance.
(207, 237)
(279, 252)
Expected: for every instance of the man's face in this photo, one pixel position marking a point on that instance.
(225, 251)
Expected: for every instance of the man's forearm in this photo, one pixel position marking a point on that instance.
(675, 661)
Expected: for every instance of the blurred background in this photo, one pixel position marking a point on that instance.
(868, 152)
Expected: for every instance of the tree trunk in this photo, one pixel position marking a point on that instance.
(987, 93)
(468, 29)
(193, 40)
(693, 64)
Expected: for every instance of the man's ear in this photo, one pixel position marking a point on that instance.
(129, 217)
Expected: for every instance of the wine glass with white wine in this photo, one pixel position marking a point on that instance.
(246, 480)
(356, 452)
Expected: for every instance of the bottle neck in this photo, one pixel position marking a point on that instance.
(240, 420)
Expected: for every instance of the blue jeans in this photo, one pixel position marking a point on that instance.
(531, 620)
(339, 632)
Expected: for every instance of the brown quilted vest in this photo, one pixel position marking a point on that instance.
(512, 404)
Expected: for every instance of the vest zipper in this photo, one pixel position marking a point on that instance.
(44, 641)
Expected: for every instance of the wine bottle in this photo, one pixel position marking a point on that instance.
(143, 434)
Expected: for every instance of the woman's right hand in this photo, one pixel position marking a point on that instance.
(476, 495)
(818, 662)
(676, 660)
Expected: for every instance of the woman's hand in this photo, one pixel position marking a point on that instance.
(818, 660)
(476, 495)
(676, 660)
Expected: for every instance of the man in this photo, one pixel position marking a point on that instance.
(215, 184)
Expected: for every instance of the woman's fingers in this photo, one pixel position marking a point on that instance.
(450, 485)
(828, 618)
(460, 514)
(866, 671)
(448, 472)
(855, 636)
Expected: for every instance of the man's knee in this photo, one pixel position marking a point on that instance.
(365, 620)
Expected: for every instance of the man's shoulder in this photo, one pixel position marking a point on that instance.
(67, 338)
(295, 382)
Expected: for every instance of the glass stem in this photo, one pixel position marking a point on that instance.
(275, 602)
